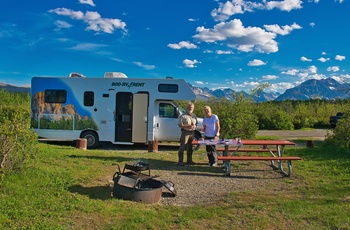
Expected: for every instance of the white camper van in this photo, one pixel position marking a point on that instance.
(114, 108)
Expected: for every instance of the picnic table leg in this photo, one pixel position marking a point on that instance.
(228, 168)
(280, 151)
(280, 154)
(227, 163)
(289, 169)
(289, 163)
(274, 166)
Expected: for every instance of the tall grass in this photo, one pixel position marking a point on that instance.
(69, 189)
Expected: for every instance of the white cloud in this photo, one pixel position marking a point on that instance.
(345, 76)
(62, 25)
(107, 25)
(269, 77)
(309, 73)
(235, 35)
(8, 30)
(312, 24)
(333, 68)
(182, 44)
(322, 59)
(284, 30)
(305, 59)
(208, 51)
(247, 85)
(88, 2)
(140, 64)
(307, 76)
(245, 48)
(229, 8)
(338, 79)
(312, 69)
(304, 74)
(63, 39)
(93, 19)
(339, 57)
(199, 82)
(190, 63)
(67, 12)
(87, 46)
(117, 60)
(256, 62)
(291, 72)
(285, 5)
(224, 52)
(280, 87)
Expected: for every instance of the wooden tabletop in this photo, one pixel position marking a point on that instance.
(266, 142)
(260, 142)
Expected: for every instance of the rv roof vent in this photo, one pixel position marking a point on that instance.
(115, 75)
(75, 74)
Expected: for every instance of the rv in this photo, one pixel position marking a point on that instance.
(113, 109)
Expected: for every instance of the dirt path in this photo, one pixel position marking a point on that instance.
(315, 134)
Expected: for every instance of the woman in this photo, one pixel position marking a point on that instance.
(211, 128)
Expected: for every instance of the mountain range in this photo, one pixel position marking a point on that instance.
(13, 88)
(328, 89)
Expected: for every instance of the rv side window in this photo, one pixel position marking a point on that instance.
(167, 110)
(168, 88)
(89, 98)
(55, 96)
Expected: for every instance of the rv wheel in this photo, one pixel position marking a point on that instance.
(92, 139)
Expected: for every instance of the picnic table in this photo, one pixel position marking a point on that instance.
(274, 147)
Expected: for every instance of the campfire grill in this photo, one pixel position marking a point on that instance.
(137, 186)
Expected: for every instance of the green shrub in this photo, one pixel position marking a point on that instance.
(236, 118)
(273, 118)
(341, 134)
(18, 143)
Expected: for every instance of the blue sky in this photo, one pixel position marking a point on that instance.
(214, 44)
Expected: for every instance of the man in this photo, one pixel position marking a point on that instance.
(187, 123)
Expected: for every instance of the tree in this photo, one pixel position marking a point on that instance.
(258, 90)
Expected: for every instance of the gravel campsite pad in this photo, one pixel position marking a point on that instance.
(203, 185)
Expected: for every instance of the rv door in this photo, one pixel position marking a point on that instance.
(166, 121)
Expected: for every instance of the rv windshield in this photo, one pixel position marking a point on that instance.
(181, 110)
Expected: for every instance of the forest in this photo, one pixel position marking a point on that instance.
(244, 117)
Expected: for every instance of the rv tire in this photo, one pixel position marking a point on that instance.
(92, 139)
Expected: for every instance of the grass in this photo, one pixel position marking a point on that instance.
(69, 188)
